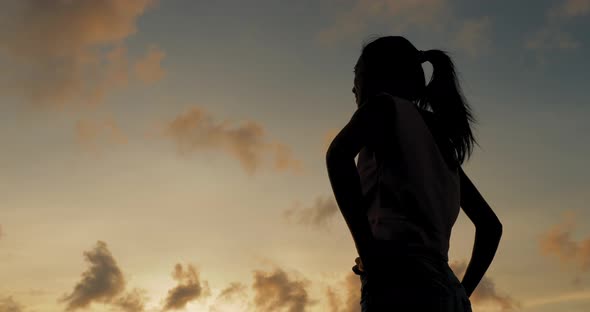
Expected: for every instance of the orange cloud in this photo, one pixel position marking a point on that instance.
(558, 242)
(69, 52)
(189, 288)
(317, 215)
(196, 130)
(7, 304)
(277, 291)
(334, 301)
(486, 291)
(351, 302)
(284, 160)
(149, 69)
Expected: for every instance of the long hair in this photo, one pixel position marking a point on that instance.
(393, 64)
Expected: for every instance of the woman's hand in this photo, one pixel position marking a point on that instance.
(370, 259)
(359, 264)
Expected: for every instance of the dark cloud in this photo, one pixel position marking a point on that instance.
(189, 288)
(558, 242)
(323, 209)
(101, 282)
(276, 291)
(7, 304)
(133, 301)
(486, 291)
(196, 130)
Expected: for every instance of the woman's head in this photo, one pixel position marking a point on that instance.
(392, 64)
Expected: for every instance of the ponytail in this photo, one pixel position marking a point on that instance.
(444, 97)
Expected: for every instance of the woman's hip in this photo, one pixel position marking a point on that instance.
(413, 284)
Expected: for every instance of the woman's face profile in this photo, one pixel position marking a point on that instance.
(356, 89)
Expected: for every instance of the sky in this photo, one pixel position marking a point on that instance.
(170, 155)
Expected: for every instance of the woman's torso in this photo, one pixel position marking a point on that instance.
(411, 191)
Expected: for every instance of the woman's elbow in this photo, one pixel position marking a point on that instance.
(494, 228)
(333, 156)
(498, 228)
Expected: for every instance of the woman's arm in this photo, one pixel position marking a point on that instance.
(364, 129)
(488, 231)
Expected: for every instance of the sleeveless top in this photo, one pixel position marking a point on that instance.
(412, 194)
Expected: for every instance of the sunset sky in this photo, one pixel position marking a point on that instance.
(170, 155)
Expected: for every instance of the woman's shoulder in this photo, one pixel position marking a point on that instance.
(382, 103)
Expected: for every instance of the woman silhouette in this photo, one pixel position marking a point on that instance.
(402, 198)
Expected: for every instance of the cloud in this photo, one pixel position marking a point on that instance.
(189, 288)
(323, 209)
(232, 291)
(68, 52)
(351, 302)
(558, 242)
(571, 8)
(566, 298)
(133, 301)
(283, 160)
(353, 21)
(473, 36)
(276, 291)
(7, 304)
(486, 291)
(334, 301)
(149, 69)
(196, 130)
(90, 133)
(101, 282)
(551, 37)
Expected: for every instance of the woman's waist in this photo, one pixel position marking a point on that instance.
(401, 227)
(394, 250)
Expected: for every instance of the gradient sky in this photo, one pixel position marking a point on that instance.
(170, 155)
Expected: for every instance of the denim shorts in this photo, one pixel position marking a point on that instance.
(412, 282)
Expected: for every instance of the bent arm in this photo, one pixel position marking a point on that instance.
(488, 231)
(364, 129)
(346, 186)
